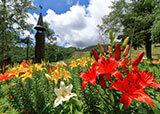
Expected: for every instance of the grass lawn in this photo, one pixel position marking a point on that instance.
(134, 53)
(155, 52)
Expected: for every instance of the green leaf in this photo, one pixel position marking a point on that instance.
(78, 112)
(71, 108)
(156, 103)
(156, 110)
(142, 111)
(120, 106)
(111, 97)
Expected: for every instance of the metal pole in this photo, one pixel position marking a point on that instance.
(27, 52)
(131, 40)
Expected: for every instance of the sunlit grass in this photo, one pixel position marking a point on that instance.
(155, 52)
(134, 53)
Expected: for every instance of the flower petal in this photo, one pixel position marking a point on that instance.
(84, 84)
(117, 74)
(125, 100)
(141, 95)
(62, 85)
(67, 97)
(69, 88)
(57, 102)
(108, 77)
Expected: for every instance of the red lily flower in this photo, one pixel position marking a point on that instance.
(6, 76)
(147, 80)
(89, 76)
(127, 60)
(51, 69)
(24, 64)
(108, 67)
(134, 63)
(125, 68)
(129, 87)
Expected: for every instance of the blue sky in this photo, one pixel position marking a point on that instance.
(73, 21)
(59, 6)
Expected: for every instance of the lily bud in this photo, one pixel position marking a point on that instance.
(113, 35)
(48, 77)
(95, 55)
(125, 42)
(100, 47)
(117, 51)
(158, 90)
(125, 53)
(110, 51)
(102, 81)
(110, 34)
(138, 59)
(109, 48)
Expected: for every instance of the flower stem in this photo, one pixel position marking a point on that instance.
(102, 98)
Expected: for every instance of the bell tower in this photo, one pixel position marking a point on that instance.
(40, 39)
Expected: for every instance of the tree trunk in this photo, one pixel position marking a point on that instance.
(148, 47)
(4, 38)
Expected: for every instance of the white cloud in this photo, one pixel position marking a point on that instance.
(78, 26)
(32, 19)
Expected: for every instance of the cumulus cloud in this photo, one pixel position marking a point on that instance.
(32, 19)
(78, 26)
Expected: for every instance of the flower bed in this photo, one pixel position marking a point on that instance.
(109, 82)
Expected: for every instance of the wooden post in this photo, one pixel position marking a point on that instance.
(40, 46)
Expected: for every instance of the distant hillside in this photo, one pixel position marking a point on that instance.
(52, 53)
(94, 46)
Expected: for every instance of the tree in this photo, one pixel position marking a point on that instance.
(135, 21)
(143, 18)
(50, 34)
(113, 21)
(156, 26)
(13, 14)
